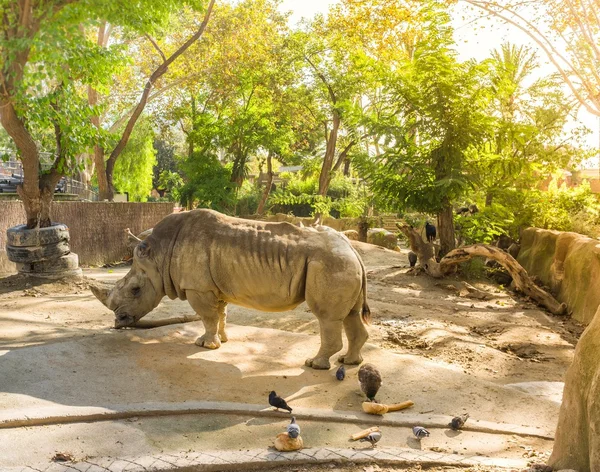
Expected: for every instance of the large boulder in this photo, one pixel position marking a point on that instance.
(383, 237)
(577, 443)
(568, 263)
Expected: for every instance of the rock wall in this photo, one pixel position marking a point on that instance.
(96, 228)
(577, 438)
(569, 264)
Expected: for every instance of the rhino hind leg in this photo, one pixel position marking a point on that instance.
(331, 342)
(222, 321)
(208, 308)
(357, 336)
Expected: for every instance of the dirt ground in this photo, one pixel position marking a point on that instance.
(446, 328)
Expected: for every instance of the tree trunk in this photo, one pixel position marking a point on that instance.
(448, 264)
(158, 73)
(37, 205)
(489, 197)
(363, 229)
(446, 228)
(269, 184)
(347, 168)
(103, 189)
(325, 176)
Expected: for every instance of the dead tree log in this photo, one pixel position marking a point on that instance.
(449, 262)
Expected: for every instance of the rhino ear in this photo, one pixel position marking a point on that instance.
(142, 250)
(101, 294)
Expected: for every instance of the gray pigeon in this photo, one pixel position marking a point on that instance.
(370, 380)
(373, 438)
(293, 429)
(420, 432)
(458, 421)
(340, 374)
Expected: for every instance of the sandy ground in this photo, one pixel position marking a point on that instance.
(499, 358)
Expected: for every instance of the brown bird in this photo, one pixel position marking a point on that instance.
(370, 380)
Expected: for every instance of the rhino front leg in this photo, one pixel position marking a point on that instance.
(206, 305)
(331, 342)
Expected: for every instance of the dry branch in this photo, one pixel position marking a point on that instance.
(521, 279)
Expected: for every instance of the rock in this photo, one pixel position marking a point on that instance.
(577, 442)
(382, 237)
(351, 234)
(284, 443)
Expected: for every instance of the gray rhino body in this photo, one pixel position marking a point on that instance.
(212, 259)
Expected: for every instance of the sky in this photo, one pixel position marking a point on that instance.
(475, 40)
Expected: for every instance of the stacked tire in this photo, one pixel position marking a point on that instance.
(42, 252)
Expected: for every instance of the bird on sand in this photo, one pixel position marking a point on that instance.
(369, 379)
(340, 374)
(420, 432)
(458, 421)
(373, 438)
(412, 259)
(293, 429)
(278, 402)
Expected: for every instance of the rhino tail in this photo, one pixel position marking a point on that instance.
(365, 312)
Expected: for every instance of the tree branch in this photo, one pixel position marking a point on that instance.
(521, 279)
(323, 79)
(161, 70)
(550, 50)
(154, 43)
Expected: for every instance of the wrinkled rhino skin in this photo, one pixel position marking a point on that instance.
(212, 259)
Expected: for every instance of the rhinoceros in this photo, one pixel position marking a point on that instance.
(210, 260)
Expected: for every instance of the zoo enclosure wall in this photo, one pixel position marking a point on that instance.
(96, 228)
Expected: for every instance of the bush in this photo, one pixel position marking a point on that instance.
(484, 226)
(345, 198)
(209, 184)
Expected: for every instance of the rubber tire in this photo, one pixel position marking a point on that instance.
(64, 263)
(20, 236)
(37, 253)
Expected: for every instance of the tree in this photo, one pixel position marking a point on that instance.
(238, 108)
(442, 118)
(568, 31)
(528, 141)
(133, 171)
(160, 70)
(46, 61)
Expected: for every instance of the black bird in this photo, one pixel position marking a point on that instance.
(340, 374)
(373, 438)
(420, 432)
(293, 429)
(278, 402)
(412, 259)
(370, 380)
(430, 232)
(458, 421)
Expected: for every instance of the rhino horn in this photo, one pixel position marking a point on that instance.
(101, 293)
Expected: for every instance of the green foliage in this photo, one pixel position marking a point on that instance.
(248, 196)
(208, 184)
(565, 209)
(486, 225)
(300, 197)
(172, 183)
(133, 170)
(443, 102)
(165, 161)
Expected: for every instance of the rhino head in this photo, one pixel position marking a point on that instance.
(136, 294)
